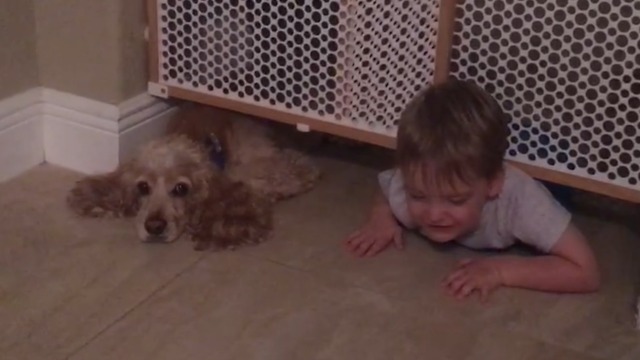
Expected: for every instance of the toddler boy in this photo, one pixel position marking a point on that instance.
(451, 183)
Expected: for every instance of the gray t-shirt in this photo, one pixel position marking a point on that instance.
(524, 211)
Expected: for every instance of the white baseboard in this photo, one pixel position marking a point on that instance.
(142, 132)
(20, 134)
(20, 147)
(44, 125)
(91, 137)
(79, 147)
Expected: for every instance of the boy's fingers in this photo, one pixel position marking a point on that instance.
(465, 290)
(357, 240)
(355, 247)
(352, 243)
(456, 287)
(454, 276)
(398, 240)
(353, 236)
(456, 281)
(464, 262)
(363, 247)
(484, 294)
(448, 281)
(462, 287)
(376, 247)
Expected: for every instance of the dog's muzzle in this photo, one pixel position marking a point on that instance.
(155, 226)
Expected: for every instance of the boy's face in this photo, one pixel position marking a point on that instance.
(445, 212)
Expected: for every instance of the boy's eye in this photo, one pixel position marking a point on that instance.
(416, 196)
(458, 200)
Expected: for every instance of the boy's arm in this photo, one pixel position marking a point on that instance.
(380, 208)
(383, 226)
(570, 267)
(539, 220)
(380, 229)
(535, 218)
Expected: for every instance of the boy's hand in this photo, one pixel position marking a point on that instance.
(481, 275)
(376, 235)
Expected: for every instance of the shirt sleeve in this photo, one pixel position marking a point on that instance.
(392, 186)
(537, 218)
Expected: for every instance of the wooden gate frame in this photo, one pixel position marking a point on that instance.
(446, 23)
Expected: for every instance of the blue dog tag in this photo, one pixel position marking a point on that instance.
(216, 152)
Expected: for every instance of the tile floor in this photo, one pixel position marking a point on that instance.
(74, 288)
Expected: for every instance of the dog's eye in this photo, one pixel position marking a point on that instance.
(181, 189)
(143, 188)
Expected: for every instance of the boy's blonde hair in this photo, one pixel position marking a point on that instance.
(455, 128)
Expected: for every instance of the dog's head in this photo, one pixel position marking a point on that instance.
(170, 179)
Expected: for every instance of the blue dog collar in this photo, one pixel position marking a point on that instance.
(216, 152)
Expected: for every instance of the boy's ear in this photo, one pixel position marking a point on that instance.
(496, 184)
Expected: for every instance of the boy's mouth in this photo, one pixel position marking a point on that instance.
(437, 226)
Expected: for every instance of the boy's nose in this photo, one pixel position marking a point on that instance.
(434, 215)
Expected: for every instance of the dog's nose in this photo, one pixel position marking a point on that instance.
(155, 226)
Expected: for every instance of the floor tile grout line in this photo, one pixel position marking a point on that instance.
(134, 308)
(316, 273)
(558, 344)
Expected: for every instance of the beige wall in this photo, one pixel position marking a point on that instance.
(18, 61)
(133, 48)
(90, 48)
(93, 48)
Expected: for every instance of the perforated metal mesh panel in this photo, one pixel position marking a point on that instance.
(354, 62)
(567, 72)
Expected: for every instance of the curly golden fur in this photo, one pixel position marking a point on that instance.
(255, 154)
(172, 189)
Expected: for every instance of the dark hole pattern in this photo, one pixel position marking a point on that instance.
(354, 62)
(568, 75)
(393, 57)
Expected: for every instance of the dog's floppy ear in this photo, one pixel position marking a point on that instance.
(230, 215)
(207, 188)
(112, 194)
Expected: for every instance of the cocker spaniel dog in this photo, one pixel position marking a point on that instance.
(214, 177)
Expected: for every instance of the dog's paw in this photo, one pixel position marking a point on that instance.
(102, 196)
(200, 245)
(96, 212)
(292, 173)
(83, 203)
(208, 245)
